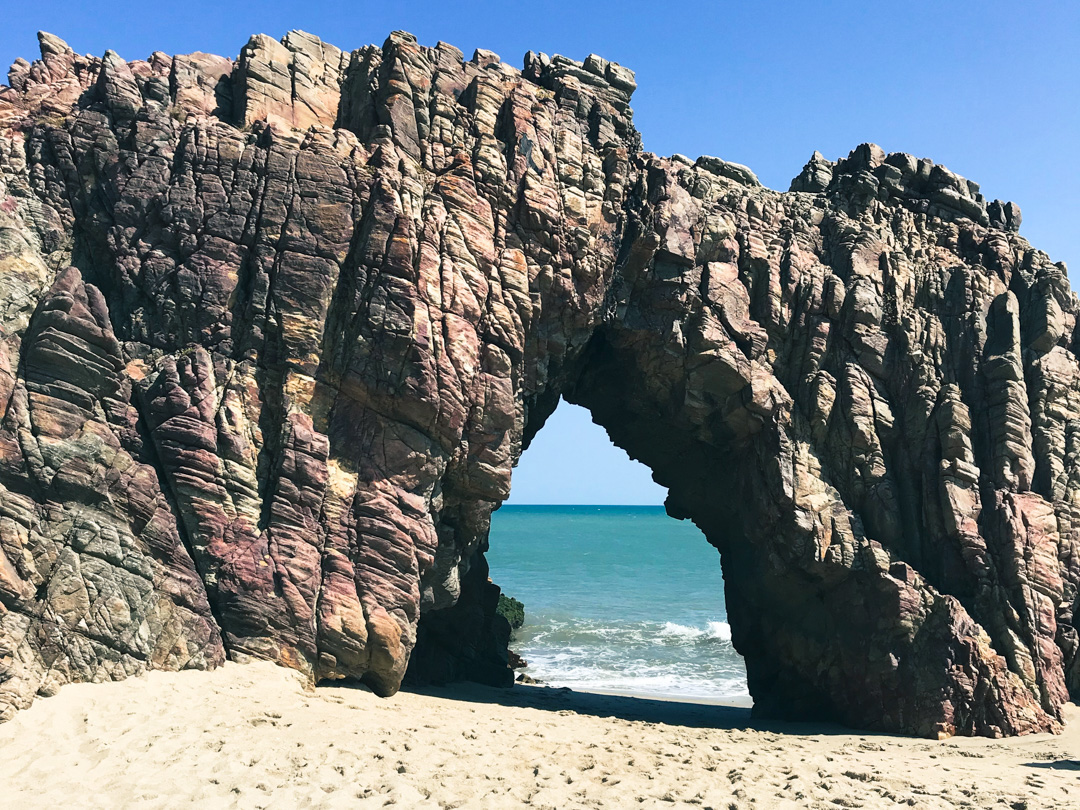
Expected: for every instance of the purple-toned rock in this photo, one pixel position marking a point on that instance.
(274, 332)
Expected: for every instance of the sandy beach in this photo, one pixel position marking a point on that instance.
(252, 737)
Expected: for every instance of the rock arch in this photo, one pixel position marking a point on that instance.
(317, 302)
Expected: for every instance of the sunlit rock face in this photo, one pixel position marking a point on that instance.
(274, 331)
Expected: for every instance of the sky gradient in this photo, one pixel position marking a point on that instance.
(990, 89)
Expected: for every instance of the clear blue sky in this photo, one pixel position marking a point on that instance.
(991, 89)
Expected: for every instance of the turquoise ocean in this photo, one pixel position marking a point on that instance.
(620, 598)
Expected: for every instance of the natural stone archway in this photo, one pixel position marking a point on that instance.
(317, 302)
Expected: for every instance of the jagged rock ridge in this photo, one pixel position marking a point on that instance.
(273, 333)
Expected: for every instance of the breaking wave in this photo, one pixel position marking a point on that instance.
(713, 631)
(644, 658)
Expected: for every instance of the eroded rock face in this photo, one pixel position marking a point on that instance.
(273, 333)
(864, 400)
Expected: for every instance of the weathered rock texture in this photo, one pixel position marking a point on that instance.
(273, 333)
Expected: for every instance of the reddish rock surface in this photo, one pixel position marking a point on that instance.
(273, 333)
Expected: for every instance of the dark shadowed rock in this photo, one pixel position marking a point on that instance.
(274, 332)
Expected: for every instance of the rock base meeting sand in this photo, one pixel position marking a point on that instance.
(251, 736)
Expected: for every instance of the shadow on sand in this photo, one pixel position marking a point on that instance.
(1056, 765)
(671, 712)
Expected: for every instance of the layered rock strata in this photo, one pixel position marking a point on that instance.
(274, 332)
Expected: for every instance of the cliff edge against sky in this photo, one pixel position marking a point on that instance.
(274, 331)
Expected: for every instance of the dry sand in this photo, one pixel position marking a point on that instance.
(252, 737)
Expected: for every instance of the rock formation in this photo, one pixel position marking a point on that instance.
(273, 333)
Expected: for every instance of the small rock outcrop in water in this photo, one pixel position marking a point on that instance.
(512, 610)
(273, 333)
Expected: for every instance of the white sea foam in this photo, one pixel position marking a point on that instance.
(719, 630)
(638, 677)
(672, 630)
(660, 658)
(562, 632)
